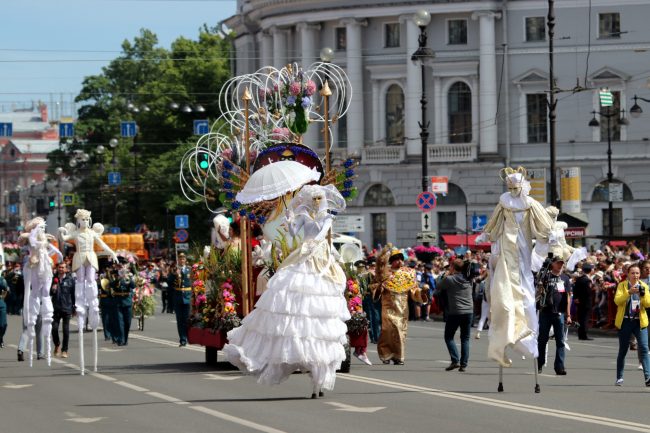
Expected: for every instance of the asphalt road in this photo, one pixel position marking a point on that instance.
(152, 385)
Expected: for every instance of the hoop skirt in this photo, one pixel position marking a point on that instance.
(298, 322)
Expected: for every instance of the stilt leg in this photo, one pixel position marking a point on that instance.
(537, 389)
(95, 349)
(31, 349)
(500, 388)
(80, 323)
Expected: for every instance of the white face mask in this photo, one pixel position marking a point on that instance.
(515, 191)
(84, 223)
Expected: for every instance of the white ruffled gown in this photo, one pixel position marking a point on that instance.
(299, 321)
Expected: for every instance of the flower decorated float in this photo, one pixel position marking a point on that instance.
(246, 167)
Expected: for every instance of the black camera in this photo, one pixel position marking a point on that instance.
(641, 291)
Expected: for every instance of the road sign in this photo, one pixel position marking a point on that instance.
(440, 184)
(6, 129)
(615, 192)
(606, 98)
(427, 221)
(128, 129)
(478, 222)
(182, 222)
(182, 247)
(13, 209)
(349, 223)
(428, 237)
(181, 236)
(115, 230)
(66, 130)
(68, 199)
(114, 178)
(201, 127)
(426, 201)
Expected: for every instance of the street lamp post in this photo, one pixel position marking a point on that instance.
(608, 114)
(422, 56)
(58, 171)
(113, 142)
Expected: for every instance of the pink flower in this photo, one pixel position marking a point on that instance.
(295, 88)
(280, 133)
(310, 88)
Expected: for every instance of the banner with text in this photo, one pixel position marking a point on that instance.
(537, 179)
(570, 190)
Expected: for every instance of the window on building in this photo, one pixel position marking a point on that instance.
(617, 221)
(460, 113)
(391, 35)
(609, 25)
(455, 196)
(447, 222)
(535, 29)
(614, 121)
(601, 191)
(379, 232)
(378, 196)
(341, 38)
(394, 116)
(536, 116)
(343, 131)
(457, 32)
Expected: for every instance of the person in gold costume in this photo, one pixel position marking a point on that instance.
(395, 285)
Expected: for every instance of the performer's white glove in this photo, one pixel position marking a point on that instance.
(482, 238)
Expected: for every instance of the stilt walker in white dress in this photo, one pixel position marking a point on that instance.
(85, 267)
(38, 280)
(299, 321)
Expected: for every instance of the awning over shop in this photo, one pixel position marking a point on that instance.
(617, 244)
(454, 241)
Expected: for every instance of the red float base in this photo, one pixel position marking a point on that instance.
(359, 339)
(206, 337)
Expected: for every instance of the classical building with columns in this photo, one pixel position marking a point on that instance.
(487, 90)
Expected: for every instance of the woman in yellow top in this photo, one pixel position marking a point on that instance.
(632, 298)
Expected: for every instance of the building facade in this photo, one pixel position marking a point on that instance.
(487, 92)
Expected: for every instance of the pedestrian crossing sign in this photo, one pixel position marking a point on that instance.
(606, 98)
(69, 199)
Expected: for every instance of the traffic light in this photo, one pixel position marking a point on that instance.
(40, 206)
(52, 202)
(203, 158)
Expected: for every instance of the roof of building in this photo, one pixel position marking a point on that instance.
(25, 121)
(26, 146)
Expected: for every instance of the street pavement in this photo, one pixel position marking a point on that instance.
(152, 385)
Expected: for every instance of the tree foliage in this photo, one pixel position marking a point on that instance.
(140, 85)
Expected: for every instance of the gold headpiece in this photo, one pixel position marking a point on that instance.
(513, 177)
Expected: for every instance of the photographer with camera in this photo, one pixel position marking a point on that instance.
(632, 298)
(553, 299)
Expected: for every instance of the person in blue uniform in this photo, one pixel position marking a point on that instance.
(123, 287)
(179, 280)
(4, 289)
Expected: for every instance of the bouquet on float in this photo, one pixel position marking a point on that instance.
(143, 301)
(296, 96)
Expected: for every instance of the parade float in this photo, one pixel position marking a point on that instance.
(248, 167)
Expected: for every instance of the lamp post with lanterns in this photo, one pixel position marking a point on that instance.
(422, 56)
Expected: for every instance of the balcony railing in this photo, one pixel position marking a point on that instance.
(437, 153)
(383, 155)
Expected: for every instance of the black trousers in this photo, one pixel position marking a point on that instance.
(57, 317)
(584, 311)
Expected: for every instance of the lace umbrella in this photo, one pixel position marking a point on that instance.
(275, 180)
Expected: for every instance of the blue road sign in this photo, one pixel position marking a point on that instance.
(115, 230)
(128, 129)
(13, 209)
(114, 178)
(182, 236)
(426, 201)
(66, 130)
(478, 222)
(182, 222)
(201, 127)
(6, 129)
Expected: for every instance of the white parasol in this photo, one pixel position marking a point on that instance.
(275, 180)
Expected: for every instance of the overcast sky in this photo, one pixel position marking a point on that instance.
(47, 47)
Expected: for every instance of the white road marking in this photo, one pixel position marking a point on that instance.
(212, 376)
(349, 408)
(166, 397)
(103, 377)
(131, 386)
(236, 420)
(85, 420)
(108, 349)
(503, 404)
(10, 385)
(166, 343)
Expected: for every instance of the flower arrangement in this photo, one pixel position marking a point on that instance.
(143, 301)
(358, 322)
(427, 254)
(296, 99)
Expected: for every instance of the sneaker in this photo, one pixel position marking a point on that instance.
(363, 358)
(64, 354)
(478, 335)
(462, 368)
(21, 355)
(640, 367)
(452, 366)
(647, 382)
(398, 362)
(57, 351)
(619, 382)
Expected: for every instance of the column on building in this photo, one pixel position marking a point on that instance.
(376, 120)
(309, 37)
(355, 74)
(437, 110)
(488, 81)
(413, 91)
(280, 40)
(266, 48)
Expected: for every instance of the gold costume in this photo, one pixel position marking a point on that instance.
(395, 291)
